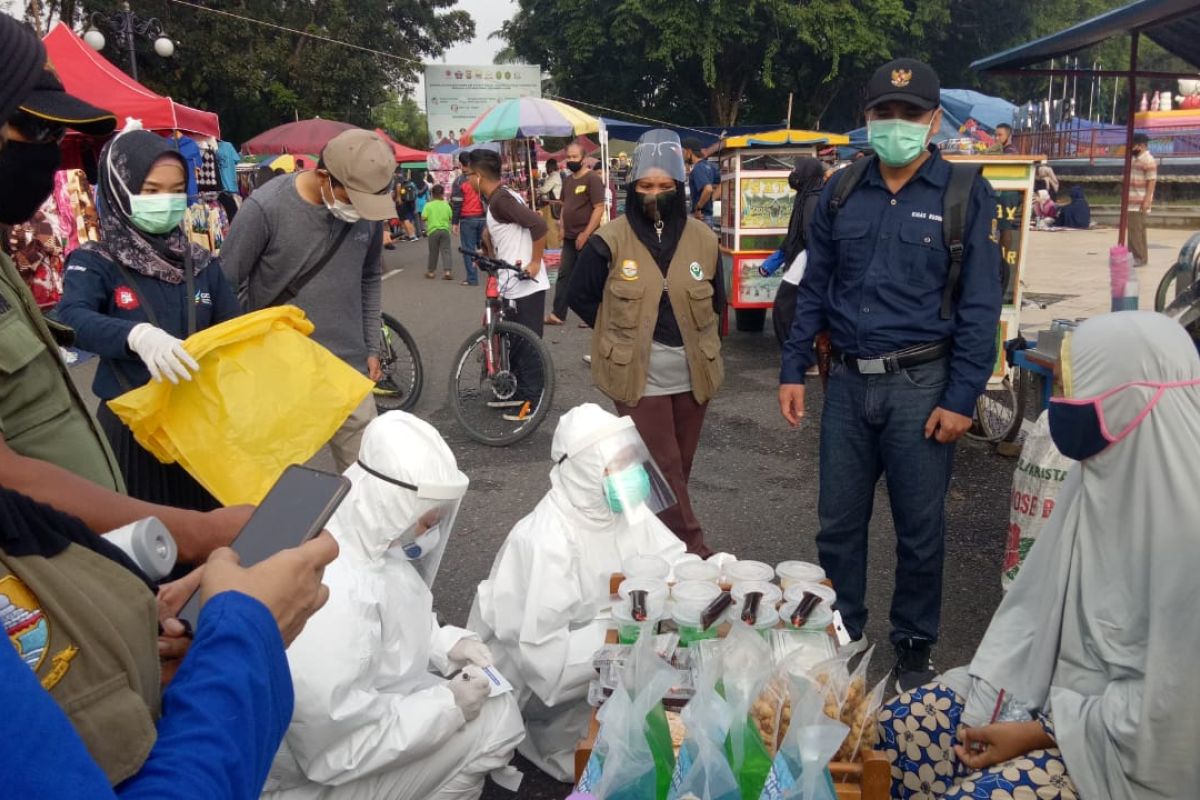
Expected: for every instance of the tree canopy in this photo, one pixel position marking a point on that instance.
(257, 77)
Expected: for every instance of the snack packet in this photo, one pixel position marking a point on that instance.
(745, 670)
(800, 770)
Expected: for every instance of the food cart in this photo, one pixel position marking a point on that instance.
(756, 205)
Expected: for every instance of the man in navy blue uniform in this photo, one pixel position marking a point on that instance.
(909, 358)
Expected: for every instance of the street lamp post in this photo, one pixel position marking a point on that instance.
(127, 25)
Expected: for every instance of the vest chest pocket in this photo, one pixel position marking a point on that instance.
(701, 305)
(114, 723)
(624, 302)
(30, 392)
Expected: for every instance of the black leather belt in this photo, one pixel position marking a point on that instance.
(894, 362)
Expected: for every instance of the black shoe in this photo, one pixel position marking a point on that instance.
(914, 667)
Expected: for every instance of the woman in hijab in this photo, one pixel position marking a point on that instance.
(806, 180)
(1084, 684)
(1077, 213)
(133, 297)
(649, 285)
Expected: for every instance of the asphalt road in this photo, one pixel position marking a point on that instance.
(754, 484)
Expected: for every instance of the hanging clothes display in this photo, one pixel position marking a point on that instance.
(37, 248)
(227, 161)
(207, 182)
(191, 153)
(76, 205)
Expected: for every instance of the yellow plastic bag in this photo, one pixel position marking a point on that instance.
(266, 397)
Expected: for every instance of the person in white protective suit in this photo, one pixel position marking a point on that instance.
(538, 610)
(372, 720)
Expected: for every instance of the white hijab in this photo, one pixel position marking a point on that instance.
(1102, 626)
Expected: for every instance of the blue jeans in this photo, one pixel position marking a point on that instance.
(874, 425)
(470, 234)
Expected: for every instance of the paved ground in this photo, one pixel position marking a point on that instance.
(754, 483)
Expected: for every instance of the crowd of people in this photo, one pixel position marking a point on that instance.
(330, 657)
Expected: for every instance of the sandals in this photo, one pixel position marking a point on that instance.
(552, 319)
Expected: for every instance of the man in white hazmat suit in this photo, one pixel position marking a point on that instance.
(538, 609)
(372, 720)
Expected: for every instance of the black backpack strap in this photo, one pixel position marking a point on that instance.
(954, 225)
(847, 181)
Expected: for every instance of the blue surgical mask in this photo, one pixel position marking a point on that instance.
(898, 141)
(157, 213)
(627, 489)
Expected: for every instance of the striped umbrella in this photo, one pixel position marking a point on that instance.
(526, 117)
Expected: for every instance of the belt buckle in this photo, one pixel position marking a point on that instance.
(871, 366)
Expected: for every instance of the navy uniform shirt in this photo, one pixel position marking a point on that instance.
(876, 272)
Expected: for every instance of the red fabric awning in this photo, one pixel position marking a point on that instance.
(302, 137)
(403, 153)
(91, 77)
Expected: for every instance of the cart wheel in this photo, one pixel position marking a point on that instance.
(751, 320)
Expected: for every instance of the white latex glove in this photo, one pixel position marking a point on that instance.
(472, 651)
(470, 689)
(162, 353)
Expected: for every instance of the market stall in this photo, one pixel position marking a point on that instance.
(756, 642)
(756, 205)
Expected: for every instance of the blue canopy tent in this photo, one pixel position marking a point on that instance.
(958, 106)
(631, 131)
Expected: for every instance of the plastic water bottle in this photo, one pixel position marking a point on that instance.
(1129, 302)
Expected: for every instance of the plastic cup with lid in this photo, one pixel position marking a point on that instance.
(645, 567)
(767, 619)
(688, 601)
(790, 572)
(739, 571)
(697, 571)
(796, 591)
(819, 618)
(771, 595)
(654, 600)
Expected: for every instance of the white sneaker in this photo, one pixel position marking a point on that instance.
(854, 647)
(587, 359)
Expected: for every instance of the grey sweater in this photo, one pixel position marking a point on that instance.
(278, 234)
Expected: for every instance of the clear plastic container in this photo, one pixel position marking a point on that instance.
(740, 571)
(796, 591)
(697, 571)
(819, 619)
(688, 601)
(764, 623)
(791, 572)
(628, 628)
(771, 595)
(655, 606)
(645, 567)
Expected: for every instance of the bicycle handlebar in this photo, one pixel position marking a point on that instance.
(488, 264)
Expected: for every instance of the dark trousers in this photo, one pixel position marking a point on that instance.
(529, 311)
(439, 249)
(470, 234)
(562, 289)
(1137, 236)
(874, 425)
(670, 426)
(784, 311)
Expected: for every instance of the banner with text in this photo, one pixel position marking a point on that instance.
(456, 94)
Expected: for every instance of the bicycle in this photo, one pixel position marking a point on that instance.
(502, 378)
(403, 374)
(999, 410)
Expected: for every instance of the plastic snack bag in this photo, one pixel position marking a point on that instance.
(635, 740)
(801, 767)
(860, 711)
(702, 769)
(745, 670)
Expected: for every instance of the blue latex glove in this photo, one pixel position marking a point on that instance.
(772, 264)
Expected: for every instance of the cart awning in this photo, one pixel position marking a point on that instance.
(1172, 24)
(782, 138)
(93, 78)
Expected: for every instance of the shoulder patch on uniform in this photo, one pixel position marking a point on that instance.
(629, 270)
(696, 270)
(125, 298)
(24, 622)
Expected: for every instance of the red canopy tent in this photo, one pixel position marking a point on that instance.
(303, 136)
(404, 154)
(91, 77)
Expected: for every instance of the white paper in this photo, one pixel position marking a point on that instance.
(498, 683)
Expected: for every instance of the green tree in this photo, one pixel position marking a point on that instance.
(257, 77)
(403, 120)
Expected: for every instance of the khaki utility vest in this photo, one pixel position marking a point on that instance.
(88, 628)
(628, 313)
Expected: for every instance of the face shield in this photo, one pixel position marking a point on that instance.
(658, 153)
(422, 541)
(632, 485)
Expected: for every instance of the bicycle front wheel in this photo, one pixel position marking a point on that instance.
(502, 384)
(998, 414)
(403, 373)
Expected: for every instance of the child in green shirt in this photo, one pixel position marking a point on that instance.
(437, 214)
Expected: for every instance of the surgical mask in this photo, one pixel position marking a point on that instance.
(627, 489)
(27, 175)
(897, 141)
(1078, 426)
(417, 547)
(657, 206)
(574, 166)
(343, 211)
(157, 213)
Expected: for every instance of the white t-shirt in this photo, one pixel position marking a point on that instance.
(512, 225)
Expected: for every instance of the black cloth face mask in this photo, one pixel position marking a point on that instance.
(26, 179)
(657, 207)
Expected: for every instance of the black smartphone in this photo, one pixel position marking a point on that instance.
(294, 511)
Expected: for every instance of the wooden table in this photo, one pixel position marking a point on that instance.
(869, 778)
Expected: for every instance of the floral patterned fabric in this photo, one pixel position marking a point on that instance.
(918, 731)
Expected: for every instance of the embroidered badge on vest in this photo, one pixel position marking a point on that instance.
(125, 298)
(697, 271)
(29, 630)
(629, 270)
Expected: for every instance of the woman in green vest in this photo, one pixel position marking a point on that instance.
(649, 284)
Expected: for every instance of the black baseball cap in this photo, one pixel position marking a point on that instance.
(906, 80)
(48, 100)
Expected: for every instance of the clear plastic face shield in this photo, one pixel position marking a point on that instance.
(422, 541)
(632, 484)
(658, 153)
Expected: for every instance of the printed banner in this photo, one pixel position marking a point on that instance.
(456, 94)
